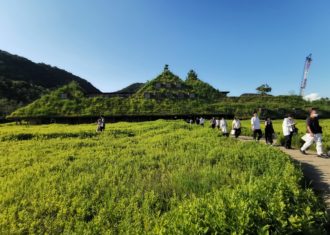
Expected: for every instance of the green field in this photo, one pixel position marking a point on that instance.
(162, 177)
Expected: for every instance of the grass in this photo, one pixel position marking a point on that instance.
(161, 177)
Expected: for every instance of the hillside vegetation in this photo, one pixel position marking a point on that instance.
(166, 94)
(23, 81)
(169, 86)
(163, 177)
(76, 103)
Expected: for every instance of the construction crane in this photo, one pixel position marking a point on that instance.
(303, 84)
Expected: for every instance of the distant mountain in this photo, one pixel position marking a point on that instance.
(20, 91)
(18, 68)
(23, 81)
(133, 88)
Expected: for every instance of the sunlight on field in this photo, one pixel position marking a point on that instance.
(162, 177)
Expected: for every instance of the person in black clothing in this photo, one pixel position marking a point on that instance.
(314, 134)
(213, 122)
(103, 123)
(269, 131)
(197, 120)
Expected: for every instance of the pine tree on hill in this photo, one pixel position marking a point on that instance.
(192, 76)
(202, 89)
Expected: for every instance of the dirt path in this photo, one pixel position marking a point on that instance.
(316, 170)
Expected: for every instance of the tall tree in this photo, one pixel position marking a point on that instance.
(192, 75)
(264, 89)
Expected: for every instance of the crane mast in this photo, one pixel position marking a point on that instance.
(307, 65)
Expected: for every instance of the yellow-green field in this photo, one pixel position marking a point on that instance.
(162, 177)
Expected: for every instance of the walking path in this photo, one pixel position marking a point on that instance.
(316, 170)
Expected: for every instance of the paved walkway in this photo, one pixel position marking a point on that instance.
(316, 170)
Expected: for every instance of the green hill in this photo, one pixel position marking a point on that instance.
(23, 81)
(167, 94)
(169, 86)
(71, 101)
(63, 101)
(165, 86)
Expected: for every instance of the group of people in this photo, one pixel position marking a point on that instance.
(313, 132)
(288, 126)
(221, 124)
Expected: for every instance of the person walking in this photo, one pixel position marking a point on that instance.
(217, 123)
(255, 125)
(197, 121)
(98, 125)
(213, 123)
(102, 124)
(236, 126)
(314, 134)
(223, 127)
(201, 121)
(288, 127)
(269, 131)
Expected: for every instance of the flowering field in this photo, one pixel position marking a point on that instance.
(162, 177)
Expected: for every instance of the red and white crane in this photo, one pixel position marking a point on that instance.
(307, 65)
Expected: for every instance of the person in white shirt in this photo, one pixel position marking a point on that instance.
(201, 121)
(288, 128)
(236, 126)
(223, 127)
(255, 125)
(217, 123)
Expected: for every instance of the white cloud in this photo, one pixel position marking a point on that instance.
(312, 97)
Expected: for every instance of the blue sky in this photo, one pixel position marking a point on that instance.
(234, 45)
